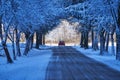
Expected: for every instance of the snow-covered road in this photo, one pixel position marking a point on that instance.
(67, 63)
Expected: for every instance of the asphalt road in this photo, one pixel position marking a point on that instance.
(68, 64)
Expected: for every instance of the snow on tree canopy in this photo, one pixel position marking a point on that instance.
(34, 14)
(94, 12)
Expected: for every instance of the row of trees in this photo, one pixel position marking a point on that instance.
(29, 17)
(101, 19)
(34, 16)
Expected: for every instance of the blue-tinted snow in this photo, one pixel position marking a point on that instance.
(108, 59)
(31, 67)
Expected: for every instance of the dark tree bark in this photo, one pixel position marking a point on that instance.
(11, 37)
(1, 36)
(13, 48)
(118, 35)
(118, 45)
(95, 43)
(112, 41)
(86, 40)
(28, 42)
(117, 26)
(92, 32)
(31, 41)
(38, 39)
(9, 60)
(107, 42)
(43, 36)
(102, 42)
(82, 39)
(17, 42)
(26, 47)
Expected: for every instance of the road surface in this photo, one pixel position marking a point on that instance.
(66, 63)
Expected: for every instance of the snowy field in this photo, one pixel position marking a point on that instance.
(31, 67)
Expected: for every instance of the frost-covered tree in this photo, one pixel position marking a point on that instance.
(6, 19)
(118, 34)
(38, 16)
(98, 17)
(65, 30)
(95, 16)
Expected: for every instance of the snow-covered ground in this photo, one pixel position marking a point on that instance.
(31, 67)
(109, 60)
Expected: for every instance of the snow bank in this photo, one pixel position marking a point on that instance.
(31, 67)
(109, 60)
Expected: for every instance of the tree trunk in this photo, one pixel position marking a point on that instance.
(92, 38)
(86, 40)
(107, 42)
(38, 39)
(13, 48)
(118, 34)
(101, 45)
(28, 43)
(118, 45)
(9, 60)
(82, 39)
(43, 35)
(17, 43)
(27, 47)
(31, 41)
(95, 43)
(112, 41)
(1, 36)
(102, 42)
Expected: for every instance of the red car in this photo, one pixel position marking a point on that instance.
(61, 43)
